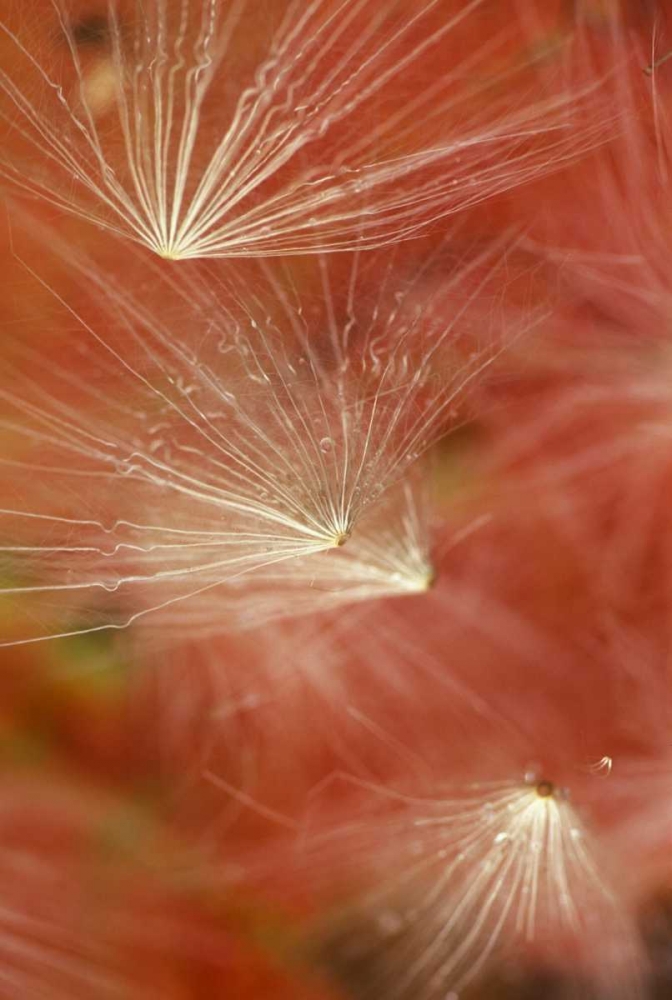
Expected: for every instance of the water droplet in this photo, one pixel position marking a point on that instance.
(532, 773)
(326, 444)
(501, 837)
(390, 922)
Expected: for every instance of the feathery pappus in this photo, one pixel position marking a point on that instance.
(197, 435)
(200, 129)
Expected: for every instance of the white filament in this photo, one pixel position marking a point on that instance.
(187, 179)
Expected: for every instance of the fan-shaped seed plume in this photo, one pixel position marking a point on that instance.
(489, 872)
(201, 129)
(211, 428)
(388, 554)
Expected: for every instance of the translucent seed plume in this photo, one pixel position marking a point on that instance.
(498, 870)
(227, 431)
(138, 126)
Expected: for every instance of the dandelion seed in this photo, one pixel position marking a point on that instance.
(471, 884)
(133, 122)
(387, 556)
(178, 444)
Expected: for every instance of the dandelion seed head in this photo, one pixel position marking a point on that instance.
(341, 539)
(545, 789)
